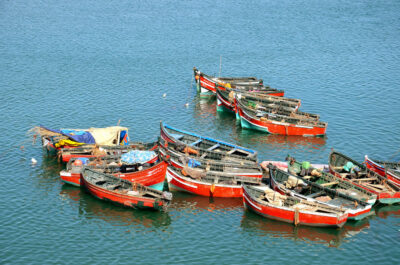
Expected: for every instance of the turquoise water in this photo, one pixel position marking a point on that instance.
(86, 64)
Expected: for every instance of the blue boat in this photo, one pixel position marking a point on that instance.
(204, 146)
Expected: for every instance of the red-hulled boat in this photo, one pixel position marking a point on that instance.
(325, 193)
(391, 170)
(148, 174)
(350, 170)
(120, 191)
(207, 184)
(270, 204)
(209, 84)
(275, 123)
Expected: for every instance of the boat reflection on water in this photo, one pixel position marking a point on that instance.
(185, 201)
(92, 208)
(252, 223)
(385, 211)
(259, 138)
(205, 107)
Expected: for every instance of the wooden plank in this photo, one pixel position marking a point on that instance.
(213, 147)
(329, 183)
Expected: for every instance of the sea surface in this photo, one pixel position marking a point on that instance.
(80, 64)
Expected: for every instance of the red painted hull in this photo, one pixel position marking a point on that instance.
(382, 197)
(288, 215)
(381, 170)
(123, 199)
(148, 177)
(281, 128)
(179, 182)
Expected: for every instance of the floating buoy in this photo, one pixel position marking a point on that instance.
(164, 95)
(187, 105)
(33, 161)
(78, 162)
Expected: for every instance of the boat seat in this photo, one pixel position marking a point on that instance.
(213, 147)
(197, 142)
(177, 136)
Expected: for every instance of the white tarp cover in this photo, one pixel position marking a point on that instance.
(107, 136)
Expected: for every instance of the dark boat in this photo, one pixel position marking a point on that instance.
(206, 183)
(322, 177)
(194, 142)
(279, 122)
(123, 192)
(208, 84)
(226, 100)
(227, 166)
(286, 183)
(176, 150)
(388, 169)
(350, 170)
(273, 205)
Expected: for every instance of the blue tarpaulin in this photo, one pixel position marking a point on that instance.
(81, 137)
(138, 156)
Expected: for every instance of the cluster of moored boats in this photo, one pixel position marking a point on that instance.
(259, 107)
(133, 174)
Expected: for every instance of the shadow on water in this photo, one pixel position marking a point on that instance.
(93, 208)
(255, 224)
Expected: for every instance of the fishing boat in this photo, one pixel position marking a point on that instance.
(148, 174)
(295, 123)
(207, 184)
(350, 170)
(226, 100)
(89, 151)
(322, 177)
(286, 183)
(55, 139)
(207, 85)
(110, 188)
(388, 169)
(273, 205)
(182, 160)
(194, 142)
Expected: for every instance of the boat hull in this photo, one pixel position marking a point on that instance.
(289, 215)
(121, 199)
(268, 126)
(181, 183)
(380, 169)
(152, 177)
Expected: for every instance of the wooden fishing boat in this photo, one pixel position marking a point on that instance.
(208, 84)
(324, 178)
(174, 151)
(226, 100)
(350, 170)
(148, 174)
(89, 151)
(180, 160)
(55, 139)
(207, 184)
(296, 123)
(273, 205)
(110, 188)
(283, 165)
(388, 169)
(195, 142)
(286, 183)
